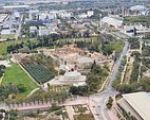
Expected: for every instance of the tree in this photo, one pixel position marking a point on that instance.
(109, 103)
(81, 90)
(12, 115)
(134, 43)
(107, 49)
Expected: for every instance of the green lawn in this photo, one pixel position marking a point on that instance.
(16, 75)
(5, 44)
(117, 45)
(11, 36)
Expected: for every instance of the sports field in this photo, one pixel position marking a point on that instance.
(15, 75)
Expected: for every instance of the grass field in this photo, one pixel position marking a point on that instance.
(117, 45)
(11, 36)
(17, 76)
(5, 44)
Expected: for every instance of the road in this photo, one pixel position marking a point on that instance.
(101, 98)
(19, 28)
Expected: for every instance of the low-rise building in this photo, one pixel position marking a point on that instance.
(33, 29)
(69, 78)
(114, 22)
(43, 31)
(135, 106)
(3, 17)
(5, 32)
(90, 13)
(16, 7)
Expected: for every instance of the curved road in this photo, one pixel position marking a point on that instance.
(101, 98)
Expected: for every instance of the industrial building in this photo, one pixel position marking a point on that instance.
(135, 106)
(114, 22)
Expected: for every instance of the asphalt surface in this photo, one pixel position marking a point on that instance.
(101, 98)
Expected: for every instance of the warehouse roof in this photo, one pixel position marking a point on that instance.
(140, 102)
(138, 8)
(112, 21)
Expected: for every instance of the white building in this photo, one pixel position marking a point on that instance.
(43, 16)
(90, 13)
(5, 32)
(73, 76)
(116, 23)
(16, 15)
(65, 14)
(3, 17)
(43, 31)
(69, 78)
(138, 8)
(83, 15)
(137, 104)
(33, 29)
(10, 7)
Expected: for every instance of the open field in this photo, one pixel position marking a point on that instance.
(117, 45)
(11, 36)
(15, 75)
(5, 44)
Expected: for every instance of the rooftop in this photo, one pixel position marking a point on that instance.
(15, 6)
(112, 21)
(140, 102)
(138, 8)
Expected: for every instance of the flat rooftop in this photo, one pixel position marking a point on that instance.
(112, 21)
(140, 102)
(15, 6)
(2, 17)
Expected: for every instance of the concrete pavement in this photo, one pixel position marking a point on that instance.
(102, 97)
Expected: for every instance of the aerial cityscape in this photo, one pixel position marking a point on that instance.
(74, 59)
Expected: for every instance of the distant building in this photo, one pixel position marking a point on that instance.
(83, 15)
(74, 76)
(33, 29)
(6, 32)
(16, 15)
(135, 106)
(116, 23)
(138, 8)
(13, 7)
(3, 17)
(69, 78)
(90, 13)
(65, 14)
(43, 31)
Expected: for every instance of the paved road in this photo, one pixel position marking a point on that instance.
(101, 98)
(19, 29)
